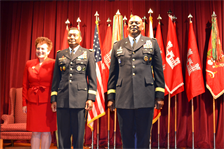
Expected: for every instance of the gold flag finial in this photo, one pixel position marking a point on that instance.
(150, 11)
(169, 12)
(67, 22)
(96, 15)
(108, 21)
(190, 17)
(118, 12)
(159, 18)
(213, 14)
(131, 14)
(144, 18)
(78, 20)
(125, 19)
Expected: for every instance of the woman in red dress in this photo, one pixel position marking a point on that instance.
(37, 81)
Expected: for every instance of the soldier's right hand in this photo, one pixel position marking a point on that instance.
(24, 109)
(54, 106)
(110, 105)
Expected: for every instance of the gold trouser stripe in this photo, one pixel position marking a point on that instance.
(111, 91)
(160, 89)
(54, 93)
(92, 92)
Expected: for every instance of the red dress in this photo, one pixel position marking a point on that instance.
(37, 82)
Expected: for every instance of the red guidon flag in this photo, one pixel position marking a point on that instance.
(125, 30)
(173, 71)
(143, 29)
(160, 43)
(215, 63)
(65, 40)
(105, 53)
(159, 38)
(193, 74)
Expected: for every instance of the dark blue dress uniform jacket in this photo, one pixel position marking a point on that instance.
(131, 83)
(70, 88)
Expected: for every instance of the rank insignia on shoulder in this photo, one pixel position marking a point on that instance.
(91, 50)
(58, 51)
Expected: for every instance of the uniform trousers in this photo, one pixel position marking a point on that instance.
(135, 121)
(70, 122)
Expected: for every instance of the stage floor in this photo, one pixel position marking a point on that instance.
(27, 146)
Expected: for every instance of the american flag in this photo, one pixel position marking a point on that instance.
(98, 109)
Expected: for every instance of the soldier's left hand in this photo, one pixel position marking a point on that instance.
(159, 104)
(89, 105)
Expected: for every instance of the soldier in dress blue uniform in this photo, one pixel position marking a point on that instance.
(132, 89)
(71, 93)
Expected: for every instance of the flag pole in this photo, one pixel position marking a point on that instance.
(213, 16)
(168, 133)
(150, 15)
(67, 22)
(108, 110)
(78, 21)
(159, 18)
(144, 18)
(96, 15)
(192, 112)
(115, 111)
(150, 29)
(214, 119)
(115, 121)
(175, 121)
(192, 104)
(108, 129)
(174, 18)
(98, 122)
(158, 131)
(92, 139)
(98, 128)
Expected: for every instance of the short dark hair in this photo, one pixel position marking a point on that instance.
(43, 40)
(75, 28)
